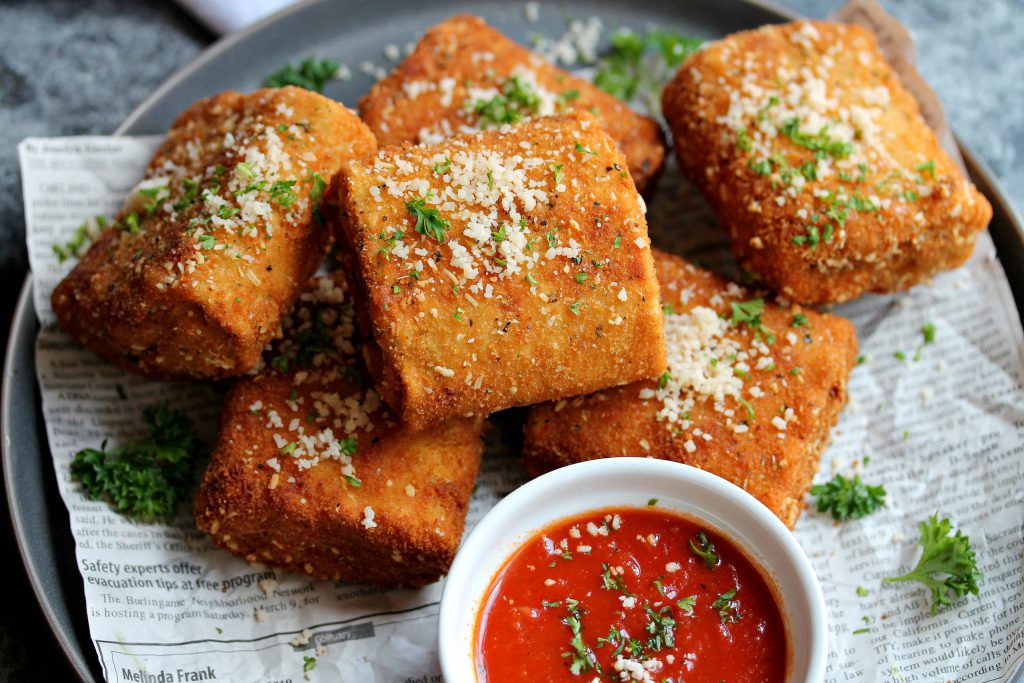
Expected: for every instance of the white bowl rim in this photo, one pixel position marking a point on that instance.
(485, 540)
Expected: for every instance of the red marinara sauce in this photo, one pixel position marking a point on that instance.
(630, 594)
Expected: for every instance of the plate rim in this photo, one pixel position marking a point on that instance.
(24, 313)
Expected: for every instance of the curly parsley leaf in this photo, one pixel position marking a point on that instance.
(848, 498)
(948, 566)
(311, 74)
(428, 220)
(146, 478)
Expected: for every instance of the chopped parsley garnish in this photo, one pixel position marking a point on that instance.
(609, 581)
(551, 603)
(428, 220)
(575, 307)
(442, 167)
(145, 478)
(583, 150)
(799, 320)
(282, 194)
(926, 167)
(705, 550)
(665, 378)
(516, 100)
(746, 404)
(556, 169)
(580, 277)
(225, 212)
(811, 237)
(760, 166)
(652, 501)
(207, 242)
(353, 481)
(747, 313)
(316, 196)
(130, 223)
(862, 592)
(743, 140)
(349, 445)
(308, 663)
(820, 143)
(728, 610)
(501, 234)
(848, 498)
(189, 192)
(311, 74)
(948, 566)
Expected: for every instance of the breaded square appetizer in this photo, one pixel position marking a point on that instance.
(312, 474)
(750, 393)
(501, 269)
(465, 76)
(819, 164)
(214, 245)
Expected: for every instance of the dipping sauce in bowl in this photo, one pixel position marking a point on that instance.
(630, 594)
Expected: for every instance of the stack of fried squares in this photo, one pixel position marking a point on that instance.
(493, 252)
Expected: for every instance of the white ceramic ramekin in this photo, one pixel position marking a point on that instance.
(611, 482)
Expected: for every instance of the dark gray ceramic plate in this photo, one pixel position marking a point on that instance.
(352, 32)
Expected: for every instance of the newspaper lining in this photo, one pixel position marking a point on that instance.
(944, 433)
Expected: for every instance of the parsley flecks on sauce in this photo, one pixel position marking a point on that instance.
(705, 550)
(728, 610)
(145, 478)
(311, 74)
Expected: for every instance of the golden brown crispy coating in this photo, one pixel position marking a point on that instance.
(463, 61)
(312, 474)
(217, 241)
(818, 163)
(529, 277)
(758, 415)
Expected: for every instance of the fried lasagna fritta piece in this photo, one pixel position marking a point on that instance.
(311, 473)
(751, 392)
(214, 245)
(818, 163)
(465, 75)
(502, 269)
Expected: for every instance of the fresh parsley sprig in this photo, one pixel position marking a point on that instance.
(146, 478)
(948, 566)
(848, 498)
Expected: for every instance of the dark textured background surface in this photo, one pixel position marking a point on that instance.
(79, 67)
